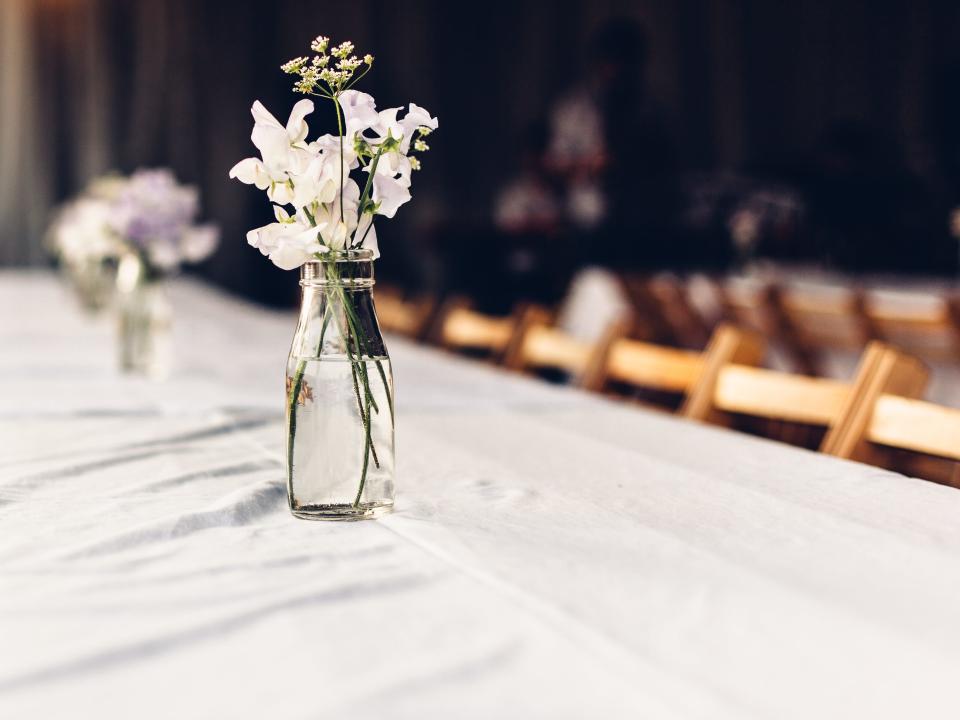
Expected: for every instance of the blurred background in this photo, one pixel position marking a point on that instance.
(692, 134)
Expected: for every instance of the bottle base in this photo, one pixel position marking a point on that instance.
(342, 512)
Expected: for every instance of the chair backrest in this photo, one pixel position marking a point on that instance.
(914, 425)
(891, 428)
(687, 326)
(655, 367)
(649, 322)
(925, 324)
(822, 317)
(402, 316)
(750, 304)
(458, 327)
(832, 405)
(538, 345)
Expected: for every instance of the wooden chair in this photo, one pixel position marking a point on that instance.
(402, 316)
(891, 428)
(538, 346)
(648, 322)
(803, 410)
(460, 328)
(669, 370)
(927, 325)
(686, 326)
(816, 320)
(756, 304)
(750, 304)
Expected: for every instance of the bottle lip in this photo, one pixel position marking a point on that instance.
(313, 273)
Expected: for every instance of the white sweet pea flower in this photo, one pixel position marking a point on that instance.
(319, 183)
(391, 182)
(289, 242)
(359, 111)
(395, 165)
(389, 193)
(367, 234)
(402, 129)
(416, 117)
(283, 151)
(329, 145)
(335, 229)
(386, 126)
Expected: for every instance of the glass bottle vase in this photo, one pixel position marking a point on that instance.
(144, 319)
(339, 396)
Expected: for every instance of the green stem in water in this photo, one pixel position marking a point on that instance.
(368, 446)
(358, 370)
(383, 375)
(294, 398)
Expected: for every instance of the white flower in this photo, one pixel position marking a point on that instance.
(282, 149)
(319, 183)
(289, 242)
(386, 126)
(329, 145)
(390, 193)
(359, 112)
(391, 183)
(402, 129)
(367, 234)
(199, 242)
(415, 118)
(335, 228)
(82, 231)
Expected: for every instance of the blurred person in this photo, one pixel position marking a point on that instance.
(528, 217)
(615, 156)
(528, 203)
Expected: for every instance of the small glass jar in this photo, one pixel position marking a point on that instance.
(145, 320)
(339, 396)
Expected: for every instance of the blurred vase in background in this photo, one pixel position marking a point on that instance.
(144, 320)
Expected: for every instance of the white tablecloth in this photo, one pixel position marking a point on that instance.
(553, 555)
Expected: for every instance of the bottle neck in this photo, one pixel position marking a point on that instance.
(352, 270)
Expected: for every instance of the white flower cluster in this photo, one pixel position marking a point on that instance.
(330, 211)
(331, 67)
(81, 232)
(148, 213)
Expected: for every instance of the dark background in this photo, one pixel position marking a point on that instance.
(769, 91)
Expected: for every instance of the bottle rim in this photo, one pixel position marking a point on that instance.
(313, 272)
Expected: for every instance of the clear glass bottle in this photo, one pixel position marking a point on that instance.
(145, 320)
(339, 396)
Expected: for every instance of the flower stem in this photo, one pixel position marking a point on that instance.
(294, 398)
(336, 104)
